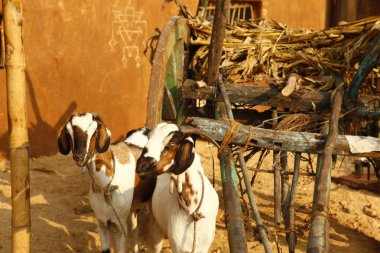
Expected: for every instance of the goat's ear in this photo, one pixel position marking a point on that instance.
(64, 141)
(184, 156)
(103, 139)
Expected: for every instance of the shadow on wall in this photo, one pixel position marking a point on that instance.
(39, 146)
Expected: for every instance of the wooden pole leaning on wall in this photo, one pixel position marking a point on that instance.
(17, 123)
(318, 241)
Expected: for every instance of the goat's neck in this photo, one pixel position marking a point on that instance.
(101, 168)
(189, 186)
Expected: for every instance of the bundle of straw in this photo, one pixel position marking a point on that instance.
(260, 49)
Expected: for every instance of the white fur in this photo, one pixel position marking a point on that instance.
(124, 179)
(158, 139)
(173, 217)
(138, 138)
(121, 200)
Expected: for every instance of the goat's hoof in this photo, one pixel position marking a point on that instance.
(106, 251)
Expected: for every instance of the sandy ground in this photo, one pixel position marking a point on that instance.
(62, 220)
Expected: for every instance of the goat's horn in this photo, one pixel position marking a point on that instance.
(193, 130)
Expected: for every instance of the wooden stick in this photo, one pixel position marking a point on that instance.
(289, 205)
(234, 223)
(18, 127)
(287, 173)
(277, 176)
(284, 176)
(277, 187)
(254, 207)
(276, 140)
(320, 225)
(243, 167)
(291, 85)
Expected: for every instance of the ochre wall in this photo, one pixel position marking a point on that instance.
(85, 56)
(299, 13)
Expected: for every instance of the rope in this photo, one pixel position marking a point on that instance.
(231, 133)
(108, 190)
(248, 139)
(196, 214)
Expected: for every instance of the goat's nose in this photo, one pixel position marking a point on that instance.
(145, 165)
(79, 156)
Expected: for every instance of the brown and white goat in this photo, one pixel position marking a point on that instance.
(183, 194)
(112, 170)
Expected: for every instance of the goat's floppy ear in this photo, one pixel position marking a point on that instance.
(184, 156)
(103, 139)
(64, 140)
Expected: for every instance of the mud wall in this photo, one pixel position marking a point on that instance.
(85, 56)
(299, 13)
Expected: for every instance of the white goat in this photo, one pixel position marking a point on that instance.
(184, 202)
(115, 190)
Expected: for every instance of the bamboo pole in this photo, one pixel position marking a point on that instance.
(17, 123)
(320, 225)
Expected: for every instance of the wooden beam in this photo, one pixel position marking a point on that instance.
(255, 95)
(217, 38)
(276, 140)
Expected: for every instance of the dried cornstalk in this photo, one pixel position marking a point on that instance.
(267, 49)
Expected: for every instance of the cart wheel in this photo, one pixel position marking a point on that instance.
(168, 73)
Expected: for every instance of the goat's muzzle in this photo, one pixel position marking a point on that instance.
(146, 167)
(80, 159)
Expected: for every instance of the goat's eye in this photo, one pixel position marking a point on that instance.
(172, 143)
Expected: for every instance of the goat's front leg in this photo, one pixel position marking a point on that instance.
(157, 236)
(105, 237)
(132, 222)
(121, 237)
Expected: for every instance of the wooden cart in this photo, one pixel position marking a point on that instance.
(170, 93)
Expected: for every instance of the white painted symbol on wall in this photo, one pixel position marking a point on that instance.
(128, 30)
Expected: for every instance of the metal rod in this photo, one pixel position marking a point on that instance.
(320, 225)
(289, 205)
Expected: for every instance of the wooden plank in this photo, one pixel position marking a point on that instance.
(276, 140)
(255, 95)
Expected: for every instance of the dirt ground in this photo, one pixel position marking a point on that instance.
(62, 220)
